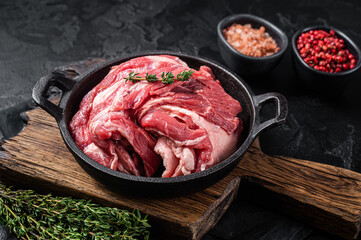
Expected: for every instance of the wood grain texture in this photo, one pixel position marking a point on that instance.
(325, 196)
(37, 158)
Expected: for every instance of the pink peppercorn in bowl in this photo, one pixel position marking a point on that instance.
(325, 59)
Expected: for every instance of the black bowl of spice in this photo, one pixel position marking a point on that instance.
(250, 45)
(325, 59)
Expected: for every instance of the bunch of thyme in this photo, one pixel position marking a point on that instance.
(166, 78)
(33, 216)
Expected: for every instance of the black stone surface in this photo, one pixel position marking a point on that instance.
(36, 36)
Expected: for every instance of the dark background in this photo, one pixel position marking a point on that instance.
(36, 36)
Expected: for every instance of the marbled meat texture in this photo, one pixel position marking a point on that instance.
(130, 127)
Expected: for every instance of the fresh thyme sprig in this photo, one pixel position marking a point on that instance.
(166, 78)
(34, 216)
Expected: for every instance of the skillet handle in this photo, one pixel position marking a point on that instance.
(42, 86)
(281, 109)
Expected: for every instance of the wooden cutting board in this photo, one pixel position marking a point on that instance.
(324, 196)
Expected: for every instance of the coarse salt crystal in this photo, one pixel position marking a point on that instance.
(250, 41)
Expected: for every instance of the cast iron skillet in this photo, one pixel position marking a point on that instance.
(73, 92)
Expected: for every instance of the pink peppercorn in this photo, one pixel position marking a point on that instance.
(324, 51)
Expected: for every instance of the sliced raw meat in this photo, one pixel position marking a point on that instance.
(131, 127)
(215, 146)
(112, 125)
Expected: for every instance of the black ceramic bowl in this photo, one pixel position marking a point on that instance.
(324, 82)
(73, 92)
(246, 65)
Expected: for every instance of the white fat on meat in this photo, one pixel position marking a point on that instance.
(223, 145)
(187, 160)
(160, 59)
(170, 161)
(96, 153)
(177, 160)
(103, 95)
(119, 90)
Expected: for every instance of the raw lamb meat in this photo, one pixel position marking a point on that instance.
(188, 126)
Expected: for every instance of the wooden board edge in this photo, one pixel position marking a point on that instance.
(215, 211)
(3, 153)
(258, 191)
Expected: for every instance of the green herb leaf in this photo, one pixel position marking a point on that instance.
(184, 76)
(33, 216)
(166, 78)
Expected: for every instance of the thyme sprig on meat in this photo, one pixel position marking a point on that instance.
(33, 216)
(166, 77)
